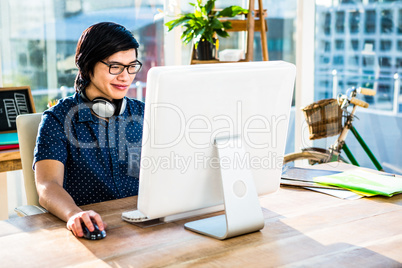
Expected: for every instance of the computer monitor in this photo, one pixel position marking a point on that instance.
(213, 134)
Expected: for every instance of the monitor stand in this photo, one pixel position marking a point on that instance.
(243, 213)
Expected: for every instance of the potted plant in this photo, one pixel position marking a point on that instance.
(203, 26)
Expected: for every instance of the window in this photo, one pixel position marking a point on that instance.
(384, 95)
(370, 22)
(39, 40)
(327, 23)
(340, 21)
(327, 46)
(338, 60)
(339, 44)
(398, 62)
(386, 21)
(385, 45)
(324, 60)
(384, 61)
(354, 44)
(373, 59)
(400, 21)
(354, 21)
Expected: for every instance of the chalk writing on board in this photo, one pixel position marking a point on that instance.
(14, 107)
(13, 102)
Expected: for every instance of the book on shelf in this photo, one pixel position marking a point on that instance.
(8, 138)
(9, 147)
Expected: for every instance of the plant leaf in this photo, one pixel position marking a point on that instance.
(227, 25)
(203, 23)
(198, 14)
(199, 32)
(187, 39)
(209, 6)
(222, 33)
(216, 24)
(231, 11)
(174, 23)
(187, 32)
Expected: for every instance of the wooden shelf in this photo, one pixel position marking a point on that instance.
(241, 25)
(213, 61)
(10, 160)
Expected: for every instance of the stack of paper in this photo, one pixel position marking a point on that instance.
(304, 177)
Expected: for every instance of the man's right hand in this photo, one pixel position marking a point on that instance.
(89, 217)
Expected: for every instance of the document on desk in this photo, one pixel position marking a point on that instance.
(337, 192)
(363, 181)
(304, 177)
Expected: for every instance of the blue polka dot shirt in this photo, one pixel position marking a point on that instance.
(101, 158)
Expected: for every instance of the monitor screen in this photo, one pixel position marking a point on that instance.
(203, 121)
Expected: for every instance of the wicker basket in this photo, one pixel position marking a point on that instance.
(324, 118)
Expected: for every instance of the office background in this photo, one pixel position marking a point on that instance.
(334, 43)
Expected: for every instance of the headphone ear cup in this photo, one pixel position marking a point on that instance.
(103, 107)
(120, 106)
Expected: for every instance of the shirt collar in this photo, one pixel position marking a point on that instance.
(84, 112)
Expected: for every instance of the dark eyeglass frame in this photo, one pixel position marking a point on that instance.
(136, 63)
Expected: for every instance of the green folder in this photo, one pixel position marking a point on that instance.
(364, 181)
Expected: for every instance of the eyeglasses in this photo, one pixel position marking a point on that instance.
(116, 69)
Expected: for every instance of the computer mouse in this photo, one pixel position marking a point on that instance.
(95, 235)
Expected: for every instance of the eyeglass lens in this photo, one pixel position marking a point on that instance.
(118, 69)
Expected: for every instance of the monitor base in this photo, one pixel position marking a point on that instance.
(243, 213)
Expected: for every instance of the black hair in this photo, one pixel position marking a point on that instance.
(96, 43)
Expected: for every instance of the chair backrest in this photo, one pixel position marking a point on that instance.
(27, 128)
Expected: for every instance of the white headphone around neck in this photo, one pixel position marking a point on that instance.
(104, 107)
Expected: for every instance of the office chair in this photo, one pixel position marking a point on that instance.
(27, 128)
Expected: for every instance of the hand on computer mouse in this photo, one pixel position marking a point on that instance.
(76, 222)
(95, 234)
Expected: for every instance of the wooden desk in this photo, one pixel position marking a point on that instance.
(9, 160)
(302, 228)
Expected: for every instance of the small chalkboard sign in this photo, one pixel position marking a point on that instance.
(13, 102)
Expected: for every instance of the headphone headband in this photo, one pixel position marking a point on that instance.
(104, 107)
